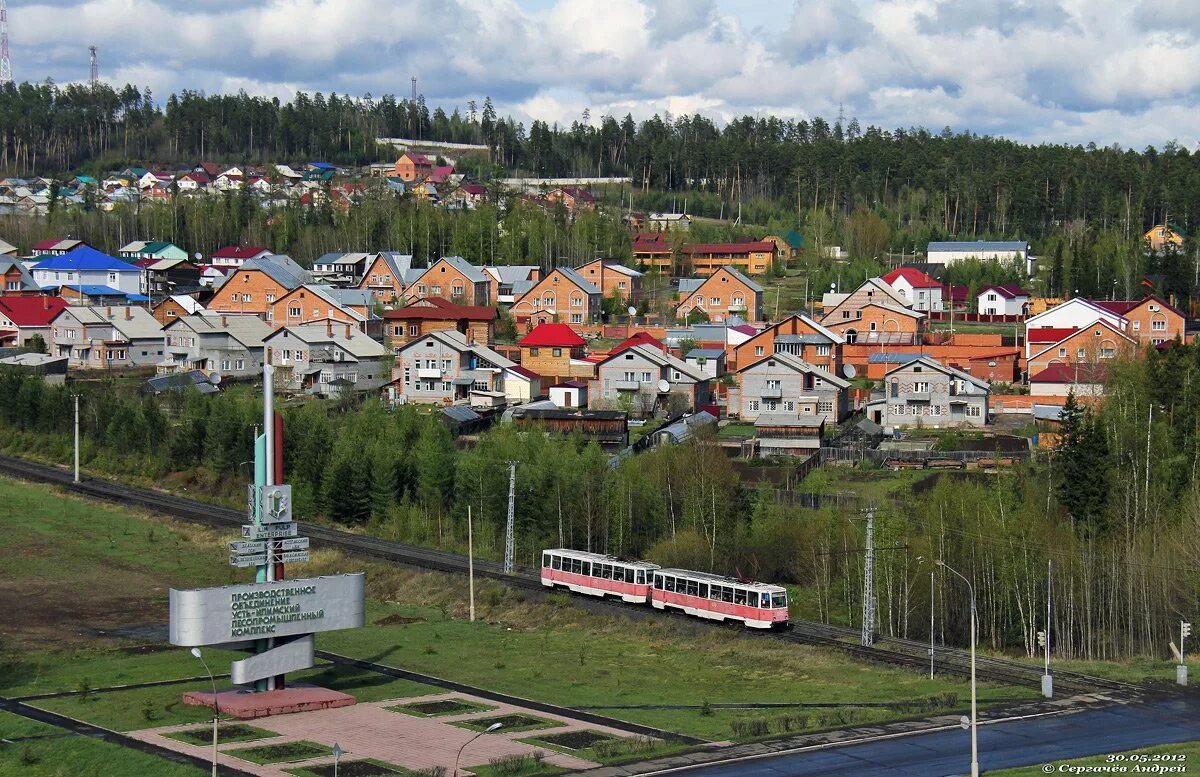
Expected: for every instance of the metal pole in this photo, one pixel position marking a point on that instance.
(471, 562)
(931, 606)
(509, 539)
(269, 466)
(868, 623)
(216, 706)
(974, 708)
(76, 438)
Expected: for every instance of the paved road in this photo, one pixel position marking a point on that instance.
(1001, 745)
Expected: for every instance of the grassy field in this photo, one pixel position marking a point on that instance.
(1190, 751)
(873, 483)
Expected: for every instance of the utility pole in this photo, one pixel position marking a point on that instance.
(508, 529)
(76, 433)
(931, 606)
(868, 621)
(471, 562)
(94, 74)
(5, 62)
(1047, 678)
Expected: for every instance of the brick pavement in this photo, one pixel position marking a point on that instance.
(369, 730)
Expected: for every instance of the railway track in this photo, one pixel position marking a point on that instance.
(888, 650)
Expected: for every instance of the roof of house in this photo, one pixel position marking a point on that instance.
(704, 353)
(441, 310)
(651, 247)
(638, 338)
(85, 257)
(417, 158)
(468, 270)
(190, 304)
(552, 335)
(914, 278)
(247, 329)
(1008, 290)
(458, 341)
(280, 268)
(981, 246)
(663, 359)
(55, 244)
(511, 273)
(31, 311)
(358, 344)
(1049, 334)
(524, 372)
(696, 283)
(238, 252)
(1122, 306)
(896, 309)
(945, 368)
(1071, 373)
(7, 264)
(139, 325)
(798, 364)
(955, 292)
(689, 285)
(615, 266)
(575, 384)
(98, 290)
(583, 283)
(749, 246)
(7, 247)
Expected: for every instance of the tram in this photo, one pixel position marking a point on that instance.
(596, 574)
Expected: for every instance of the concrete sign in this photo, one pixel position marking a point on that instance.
(252, 531)
(289, 657)
(233, 613)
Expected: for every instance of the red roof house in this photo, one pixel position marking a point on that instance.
(29, 313)
(638, 338)
(552, 336)
(914, 277)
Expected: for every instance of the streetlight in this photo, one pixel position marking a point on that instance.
(216, 711)
(337, 757)
(487, 730)
(974, 716)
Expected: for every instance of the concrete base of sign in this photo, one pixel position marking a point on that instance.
(246, 704)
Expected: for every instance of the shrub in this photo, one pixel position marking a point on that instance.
(510, 764)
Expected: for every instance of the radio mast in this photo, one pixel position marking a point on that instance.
(5, 62)
(95, 74)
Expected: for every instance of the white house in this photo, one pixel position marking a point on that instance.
(923, 292)
(85, 266)
(1007, 300)
(1075, 313)
(571, 393)
(949, 252)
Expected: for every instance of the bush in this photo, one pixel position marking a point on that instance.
(510, 764)
(746, 728)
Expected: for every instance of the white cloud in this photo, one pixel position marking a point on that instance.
(1039, 70)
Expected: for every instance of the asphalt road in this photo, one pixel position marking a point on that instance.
(1001, 745)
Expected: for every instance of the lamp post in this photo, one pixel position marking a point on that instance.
(974, 716)
(487, 730)
(216, 710)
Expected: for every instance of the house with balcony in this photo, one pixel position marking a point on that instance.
(645, 380)
(453, 278)
(328, 359)
(387, 275)
(562, 296)
(342, 269)
(924, 392)
(797, 335)
(106, 337)
(556, 352)
(229, 344)
(445, 368)
(724, 294)
(85, 267)
(432, 314)
(783, 383)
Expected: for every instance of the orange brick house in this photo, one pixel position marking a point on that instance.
(563, 295)
(727, 292)
(753, 257)
(411, 166)
(310, 303)
(653, 251)
(433, 314)
(1094, 343)
(1151, 321)
(386, 276)
(453, 278)
(878, 322)
(573, 198)
(797, 335)
(175, 306)
(256, 285)
(612, 277)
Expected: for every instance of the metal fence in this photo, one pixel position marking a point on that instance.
(879, 457)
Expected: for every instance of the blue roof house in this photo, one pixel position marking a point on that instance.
(87, 266)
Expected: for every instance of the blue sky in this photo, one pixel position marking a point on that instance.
(1072, 71)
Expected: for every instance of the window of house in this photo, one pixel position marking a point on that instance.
(1062, 353)
(224, 364)
(556, 352)
(630, 376)
(1080, 353)
(822, 350)
(270, 298)
(240, 364)
(974, 411)
(758, 350)
(825, 406)
(845, 314)
(412, 330)
(1107, 353)
(576, 301)
(770, 405)
(480, 385)
(645, 377)
(772, 384)
(576, 318)
(446, 385)
(456, 290)
(872, 326)
(1158, 324)
(789, 406)
(714, 301)
(247, 297)
(1137, 326)
(921, 387)
(421, 288)
(754, 405)
(676, 375)
(895, 389)
(295, 311)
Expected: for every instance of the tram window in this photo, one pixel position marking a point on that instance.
(668, 584)
(556, 562)
(703, 592)
(715, 593)
(628, 575)
(766, 600)
(658, 582)
(693, 588)
(576, 565)
(779, 600)
(606, 571)
(641, 577)
(739, 596)
(587, 569)
(546, 560)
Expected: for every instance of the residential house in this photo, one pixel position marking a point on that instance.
(555, 351)
(1163, 239)
(709, 361)
(29, 316)
(725, 293)
(255, 286)
(954, 297)
(882, 323)
(1073, 314)
(639, 338)
(663, 222)
(432, 314)
(753, 257)
(573, 198)
(235, 256)
(454, 278)
(926, 393)
(445, 368)
(56, 246)
(1151, 320)
(311, 302)
(15, 277)
(229, 344)
(521, 385)
(569, 393)
(949, 252)
(328, 359)
(615, 280)
(85, 266)
(387, 275)
(164, 276)
(787, 245)
(175, 306)
(1061, 379)
(411, 166)
(1005, 300)
(344, 269)
(7, 249)
(468, 195)
(563, 295)
(785, 383)
(508, 282)
(1092, 344)
(106, 337)
(152, 249)
(797, 335)
(643, 380)
(920, 291)
(653, 251)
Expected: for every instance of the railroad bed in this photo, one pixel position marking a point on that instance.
(887, 650)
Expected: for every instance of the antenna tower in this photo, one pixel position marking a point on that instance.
(5, 62)
(95, 73)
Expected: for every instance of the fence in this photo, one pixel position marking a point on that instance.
(976, 318)
(879, 457)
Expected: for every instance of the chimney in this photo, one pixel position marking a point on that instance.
(224, 320)
(348, 326)
(108, 312)
(45, 302)
(329, 327)
(128, 313)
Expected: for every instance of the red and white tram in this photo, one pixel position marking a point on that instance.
(597, 574)
(758, 605)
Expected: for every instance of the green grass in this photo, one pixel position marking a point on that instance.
(45, 751)
(865, 483)
(511, 722)
(1128, 758)
(226, 733)
(529, 767)
(284, 752)
(351, 768)
(430, 709)
(735, 431)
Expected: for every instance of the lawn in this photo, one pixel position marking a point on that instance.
(879, 484)
(37, 750)
(284, 752)
(1183, 754)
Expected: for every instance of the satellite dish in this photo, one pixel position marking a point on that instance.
(849, 371)
(198, 256)
(664, 386)
(632, 311)
(214, 378)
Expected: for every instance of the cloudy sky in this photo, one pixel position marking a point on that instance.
(1108, 71)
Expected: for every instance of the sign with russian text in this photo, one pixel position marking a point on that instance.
(247, 548)
(292, 556)
(233, 613)
(247, 561)
(296, 543)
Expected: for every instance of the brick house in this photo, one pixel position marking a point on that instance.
(387, 275)
(926, 393)
(844, 308)
(1091, 344)
(753, 257)
(411, 166)
(510, 281)
(613, 278)
(1061, 379)
(727, 292)
(445, 368)
(572, 198)
(556, 352)
(643, 379)
(311, 302)
(797, 335)
(175, 306)
(785, 383)
(403, 325)
(563, 295)
(653, 251)
(452, 278)
(15, 277)
(875, 313)
(106, 337)
(1150, 321)
(256, 285)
